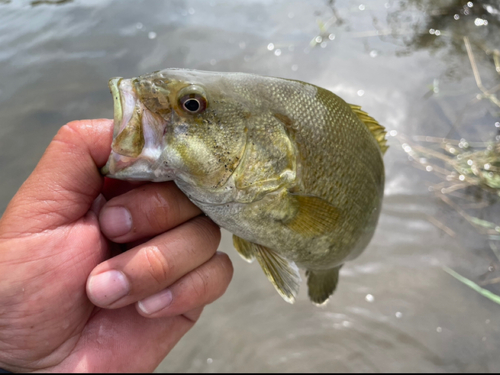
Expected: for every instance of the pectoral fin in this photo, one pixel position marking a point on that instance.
(322, 284)
(315, 216)
(244, 248)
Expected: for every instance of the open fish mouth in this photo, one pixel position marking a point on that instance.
(137, 137)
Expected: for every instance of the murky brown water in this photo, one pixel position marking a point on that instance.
(404, 61)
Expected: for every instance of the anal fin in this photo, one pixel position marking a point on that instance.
(282, 273)
(322, 284)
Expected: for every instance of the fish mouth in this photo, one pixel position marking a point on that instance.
(137, 144)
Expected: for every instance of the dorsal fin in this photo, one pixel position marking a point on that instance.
(375, 128)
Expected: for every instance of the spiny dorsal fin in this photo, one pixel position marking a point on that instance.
(315, 216)
(375, 128)
(322, 284)
(244, 248)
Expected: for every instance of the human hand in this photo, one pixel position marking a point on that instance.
(51, 241)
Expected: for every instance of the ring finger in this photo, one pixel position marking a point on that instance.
(198, 288)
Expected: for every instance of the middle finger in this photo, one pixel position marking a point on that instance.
(154, 265)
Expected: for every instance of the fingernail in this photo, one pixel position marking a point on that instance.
(115, 221)
(156, 302)
(107, 287)
(98, 203)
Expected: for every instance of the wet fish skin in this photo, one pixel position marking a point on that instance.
(292, 170)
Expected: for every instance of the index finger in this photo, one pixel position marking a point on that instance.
(66, 180)
(145, 211)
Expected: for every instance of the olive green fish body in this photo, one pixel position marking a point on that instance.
(294, 172)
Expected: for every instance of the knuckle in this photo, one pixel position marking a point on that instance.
(170, 203)
(226, 266)
(79, 129)
(193, 315)
(67, 133)
(84, 128)
(154, 219)
(200, 284)
(158, 207)
(158, 267)
(72, 126)
(223, 273)
(208, 231)
(210, 281)
(160, 210)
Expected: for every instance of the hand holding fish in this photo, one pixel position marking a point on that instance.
(63, 225)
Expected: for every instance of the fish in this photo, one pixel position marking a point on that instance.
(294, 172)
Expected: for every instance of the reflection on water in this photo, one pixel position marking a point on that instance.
(453, 19)
(405, 62)
(440, 26)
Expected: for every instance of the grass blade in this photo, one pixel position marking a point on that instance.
(492, 296)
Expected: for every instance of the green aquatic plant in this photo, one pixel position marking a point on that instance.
(489, 94)
(465, 169)
(491, 296)
(461, 165)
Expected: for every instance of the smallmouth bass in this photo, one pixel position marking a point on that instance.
(292, 170)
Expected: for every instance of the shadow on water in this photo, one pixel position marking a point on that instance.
(405, 62)
(40, 2)
(50, 2)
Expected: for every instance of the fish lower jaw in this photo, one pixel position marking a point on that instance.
(138, 169)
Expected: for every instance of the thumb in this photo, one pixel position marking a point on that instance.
(65, 182)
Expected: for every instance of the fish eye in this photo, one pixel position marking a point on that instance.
(193, 103)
